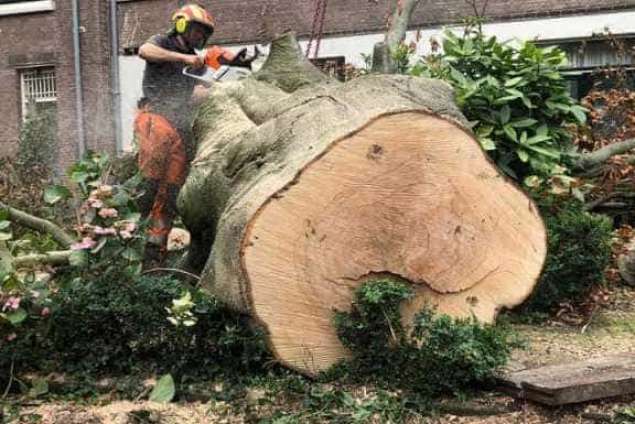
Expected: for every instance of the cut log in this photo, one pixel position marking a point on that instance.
(303, 194)
(574, 382)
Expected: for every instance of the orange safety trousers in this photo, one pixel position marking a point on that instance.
(163, 161)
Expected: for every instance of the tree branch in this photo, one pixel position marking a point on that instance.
(588, 160)
(383, 61)
(39, 224)
(60, 257)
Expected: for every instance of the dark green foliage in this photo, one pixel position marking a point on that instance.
(110, 324)
(441, 354)
(117, 325)
(579, 250)
(37, 143)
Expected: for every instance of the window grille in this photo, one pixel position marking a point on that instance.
(38, 86)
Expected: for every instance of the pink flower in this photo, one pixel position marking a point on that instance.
(108, 213)
(86, 243)
(45, 312)
(130, 227)
(125, 234)
(95, 203)
(100, 231)
(12, 303)
(11, 337)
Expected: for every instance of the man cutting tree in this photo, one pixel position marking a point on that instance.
(162, 124)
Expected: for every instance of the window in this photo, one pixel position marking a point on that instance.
(39, 90)
(14, 7)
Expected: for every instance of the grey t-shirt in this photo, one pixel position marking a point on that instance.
(165, 89)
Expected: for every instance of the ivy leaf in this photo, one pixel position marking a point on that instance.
(164, 390)
(4, 225)
(54, 194)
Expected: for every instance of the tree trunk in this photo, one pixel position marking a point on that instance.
(304, 192)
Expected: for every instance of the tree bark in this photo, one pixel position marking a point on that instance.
(48, 258)
(304, 195)
(589, 160)
(39, 224)
(383, 61)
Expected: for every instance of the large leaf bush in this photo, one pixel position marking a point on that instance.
(515, 96)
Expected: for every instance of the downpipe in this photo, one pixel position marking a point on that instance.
(79, 103)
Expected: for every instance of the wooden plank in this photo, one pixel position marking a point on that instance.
(574, 382)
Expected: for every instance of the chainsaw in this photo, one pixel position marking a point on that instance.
(222, 65)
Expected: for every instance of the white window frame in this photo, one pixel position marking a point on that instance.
(45, 86)
(27, 7)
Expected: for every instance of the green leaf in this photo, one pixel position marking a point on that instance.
(4, 225)
(40, 387)
(17, 316)
(78, 259)
(164, 390)
(487, 143)
(522, 155)
(513, 81)
(510, 132)
(523, 123)
(580, 113)
(505, 114)
(538, 139)
(54, 194)
(131, 255)
(79, 177)
(4, 214)
(554, 154)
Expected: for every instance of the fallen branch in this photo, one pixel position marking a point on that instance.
(589, 160)
(39, 224)
(174, 271)
(49, 258)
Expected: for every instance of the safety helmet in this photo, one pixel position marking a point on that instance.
(192, 13)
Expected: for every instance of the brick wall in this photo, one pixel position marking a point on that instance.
(247, 21)
(48, 40)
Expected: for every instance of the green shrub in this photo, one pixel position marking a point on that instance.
(117, 325)
(110, 324)
(36, 144)
(515, 96)
(579, 250)
(441, 354)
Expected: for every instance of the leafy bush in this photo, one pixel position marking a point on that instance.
(442, 354)
(115, 324)
(579, 250)
(36, 145)
(515, 97)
